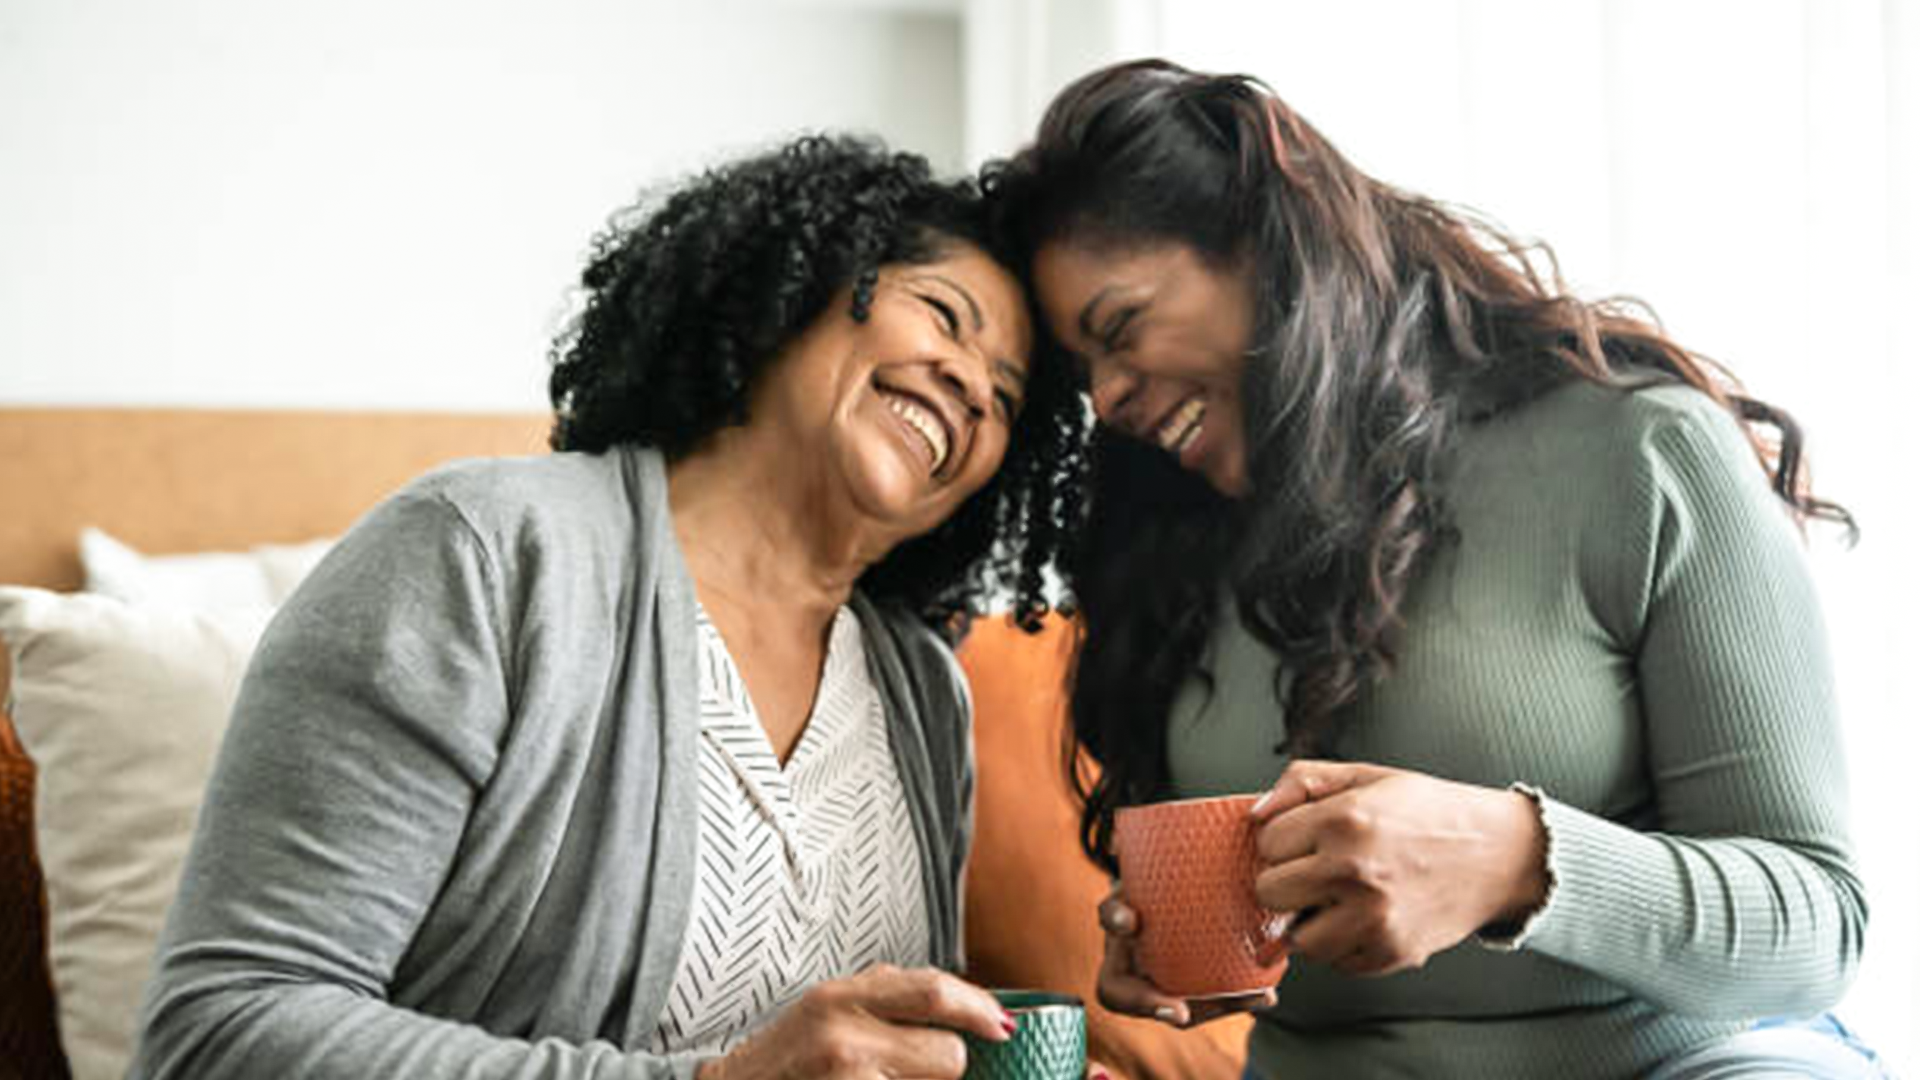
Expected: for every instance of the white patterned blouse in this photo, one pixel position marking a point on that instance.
(806, 873)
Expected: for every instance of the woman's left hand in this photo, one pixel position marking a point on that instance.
(1384, 867)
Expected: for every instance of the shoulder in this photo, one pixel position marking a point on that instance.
(1674, 443)
(1624, 436)
(510, 556)
(1617, 484)
(1679, 427)
(594, 508)
(501, 530)
(1582, 409)
(569, 489)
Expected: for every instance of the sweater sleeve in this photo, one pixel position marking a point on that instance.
(364, 732)
(1743, 900)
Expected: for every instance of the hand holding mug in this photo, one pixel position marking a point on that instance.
(1190, 926)
(1381, 868)
(1123, 989)
(1049, 1042)
(885, 1021)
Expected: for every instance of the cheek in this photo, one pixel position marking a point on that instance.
(1165, 356)
(1206, 362)
(991, 457)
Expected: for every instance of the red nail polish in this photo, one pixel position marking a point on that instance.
(1007, 1023)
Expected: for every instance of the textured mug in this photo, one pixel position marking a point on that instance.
(1049, 1041)
(1187, 868)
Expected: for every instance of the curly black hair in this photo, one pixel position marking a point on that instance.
(692, 292)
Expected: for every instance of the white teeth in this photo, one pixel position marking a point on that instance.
(1182, 427)
(928, 428)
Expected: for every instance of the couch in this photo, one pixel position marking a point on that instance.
(192, 481)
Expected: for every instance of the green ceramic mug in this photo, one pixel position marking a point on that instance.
(1049, 1043)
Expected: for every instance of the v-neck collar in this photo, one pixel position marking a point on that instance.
(729, 721)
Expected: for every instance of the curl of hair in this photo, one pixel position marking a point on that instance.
(1384, 321)
(692, 293)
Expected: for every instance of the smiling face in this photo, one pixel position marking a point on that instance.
(908, 412)
(1163, 339)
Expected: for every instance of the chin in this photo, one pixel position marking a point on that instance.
(899, 498)
(1228, 479)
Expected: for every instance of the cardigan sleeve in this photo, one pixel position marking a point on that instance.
(1743, 901)
(364, 731)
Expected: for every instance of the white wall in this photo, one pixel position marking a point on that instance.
(375, 203)
(1019, 52)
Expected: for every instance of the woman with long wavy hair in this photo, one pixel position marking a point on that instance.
(1498, 593)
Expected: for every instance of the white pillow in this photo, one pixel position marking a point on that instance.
(122, 708)
(260, 577)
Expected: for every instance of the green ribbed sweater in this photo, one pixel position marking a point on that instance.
(1627, 623)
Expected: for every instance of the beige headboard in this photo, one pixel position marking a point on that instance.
(168, 481)
(172, 480)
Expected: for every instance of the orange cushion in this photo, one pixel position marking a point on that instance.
(1031, 894)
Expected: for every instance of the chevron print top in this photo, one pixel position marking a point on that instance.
(806, 873)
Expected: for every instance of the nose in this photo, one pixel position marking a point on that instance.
(1112, 387)
(964, 375)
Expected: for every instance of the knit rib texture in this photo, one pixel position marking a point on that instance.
(1624, 620)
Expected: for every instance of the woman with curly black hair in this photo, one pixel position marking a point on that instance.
(647, 758)
(1497, 593)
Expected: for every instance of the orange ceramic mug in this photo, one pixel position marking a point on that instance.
(1187, 868)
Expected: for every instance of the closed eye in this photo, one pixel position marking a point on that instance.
(947, 315)
(1112, 338)
(1009, 405)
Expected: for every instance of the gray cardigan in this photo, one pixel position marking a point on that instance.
(451, 831)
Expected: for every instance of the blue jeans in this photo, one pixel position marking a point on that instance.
(1817, 1047)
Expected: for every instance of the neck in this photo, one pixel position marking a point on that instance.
(759, 534)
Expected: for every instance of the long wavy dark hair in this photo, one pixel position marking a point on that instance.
(1379, 315)
(693, 291)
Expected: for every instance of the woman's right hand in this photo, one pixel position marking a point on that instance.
(1124, 990)
(884, 1022)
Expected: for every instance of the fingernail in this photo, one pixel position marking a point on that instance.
(1100, 1074)
(1008, 1024)
(1265, 801)
(1167, 1013)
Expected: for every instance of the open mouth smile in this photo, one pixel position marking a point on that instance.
(1182, 426)
(924, 421)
